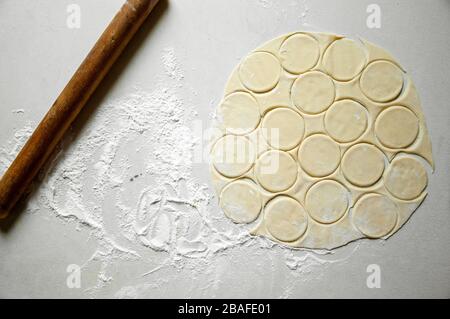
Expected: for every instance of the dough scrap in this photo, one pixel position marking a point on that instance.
(332, 140)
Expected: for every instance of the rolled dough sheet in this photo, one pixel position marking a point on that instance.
(320, 141)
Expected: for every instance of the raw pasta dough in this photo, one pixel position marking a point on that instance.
(321, 141)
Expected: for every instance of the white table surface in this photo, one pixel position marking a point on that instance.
(38, 55)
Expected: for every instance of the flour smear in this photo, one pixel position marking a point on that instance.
(128, 179)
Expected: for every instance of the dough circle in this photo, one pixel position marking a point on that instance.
(318, 142)
(233, 155)
(276, 171)
(397, 127)
(260, 72)
(375, 215)
(286, 219)
(240, 113)
(382, 81)
(241, 201)
(283, 128)
(406, 178)
(319, 155)
(344, 59)
(299, 53)
(313, 92)
(363, 164)
(346, 120)
(327, 201)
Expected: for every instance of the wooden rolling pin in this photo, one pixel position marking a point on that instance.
(69, 103)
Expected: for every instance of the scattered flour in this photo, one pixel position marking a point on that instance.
(12, 148)
(299, 6)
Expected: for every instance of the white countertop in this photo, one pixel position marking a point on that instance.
(191, 47)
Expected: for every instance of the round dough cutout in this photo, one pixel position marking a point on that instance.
(283, 128)
(397, 127)
(327, 201)
(260, 72)
(233, 155)
(344, 59)
(406, 178)
(382, 81)
(375, 215)
(313, 92)
(276, 171)
(346, 121)
(285, 218)
(240, 113)
(299, 53)
(363, 164)
(319, 155)
(241, 201)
